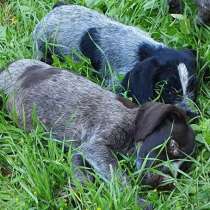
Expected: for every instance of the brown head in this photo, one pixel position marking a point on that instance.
(166, 136)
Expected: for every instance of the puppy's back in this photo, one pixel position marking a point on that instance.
(69, 104)
(65, 25)
(62, 30)
(27, 75)
(10, 75)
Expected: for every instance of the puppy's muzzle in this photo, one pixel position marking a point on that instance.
(184, 106)
(162, 180)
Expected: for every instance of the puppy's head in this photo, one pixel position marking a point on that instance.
(174, 69)
(166, 137)
(177, 71)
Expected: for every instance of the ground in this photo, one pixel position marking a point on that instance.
(35, 172)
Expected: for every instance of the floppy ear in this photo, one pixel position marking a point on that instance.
(152, 114)
(151, 145)
(140, 81)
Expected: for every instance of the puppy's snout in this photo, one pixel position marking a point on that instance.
(152, 179)
(162, 179)
(184, 106)
(159, 180)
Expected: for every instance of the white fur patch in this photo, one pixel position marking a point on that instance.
(184, 78)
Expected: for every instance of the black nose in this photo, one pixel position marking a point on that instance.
(183, 105)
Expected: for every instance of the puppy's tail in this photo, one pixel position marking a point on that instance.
(9, 78)
(5, 80)
(58, 4)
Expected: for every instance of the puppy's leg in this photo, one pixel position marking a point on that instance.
(103, 161)
(78, 171)
(100, 157)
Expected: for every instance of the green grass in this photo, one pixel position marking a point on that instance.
(35, 172)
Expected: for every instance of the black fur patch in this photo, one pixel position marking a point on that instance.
(145, 51)
(35, 74)
(89, 46)
(139, 81)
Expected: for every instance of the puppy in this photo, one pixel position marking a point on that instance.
(129, 51)
(175, 6)
(161, 133)
(96, 122)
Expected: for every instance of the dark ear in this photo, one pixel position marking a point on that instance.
(151, 146)
(140, 81)
(89, 47)
(151, 115)
(184, 137)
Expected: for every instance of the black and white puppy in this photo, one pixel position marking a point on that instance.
(129, 51)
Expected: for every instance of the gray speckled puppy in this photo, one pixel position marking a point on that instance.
(71, 29)
(95, 121)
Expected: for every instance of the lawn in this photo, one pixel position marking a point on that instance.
(35, 173)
